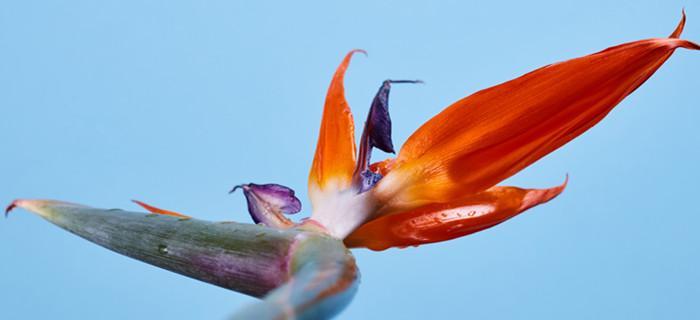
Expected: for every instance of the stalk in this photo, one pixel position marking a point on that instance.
(298, 273)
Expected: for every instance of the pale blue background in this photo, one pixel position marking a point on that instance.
(173, 103)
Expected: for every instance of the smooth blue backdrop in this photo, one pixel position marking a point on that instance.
(174, 102)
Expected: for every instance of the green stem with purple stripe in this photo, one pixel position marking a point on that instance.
(297, 273)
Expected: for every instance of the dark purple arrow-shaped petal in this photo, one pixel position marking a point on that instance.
(376, 134)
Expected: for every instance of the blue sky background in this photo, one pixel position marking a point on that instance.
(174, 102)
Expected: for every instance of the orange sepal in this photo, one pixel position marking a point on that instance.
(491, 135)
(440, 222)
(334, 159)
(155, 210)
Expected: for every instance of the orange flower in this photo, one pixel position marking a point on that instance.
(442, 184)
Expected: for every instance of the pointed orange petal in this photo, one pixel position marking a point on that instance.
(334, 161)
(440, 222)
(155, 210)
(491, 135)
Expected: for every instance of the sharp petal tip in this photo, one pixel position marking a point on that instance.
(240, 186)
(677, 33)
(404, 81)
(141, 204)
(690, 45)
(555, 191)
(10, 207)
(539, 196)
(679, 28)
(353, 51)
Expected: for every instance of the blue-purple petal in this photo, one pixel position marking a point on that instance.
(376, 134)
(378, 125)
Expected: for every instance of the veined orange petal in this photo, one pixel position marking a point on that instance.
(155, 210)
(440, 222)
(491, 135)
(334, 160)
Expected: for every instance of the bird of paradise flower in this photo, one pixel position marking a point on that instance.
(440, 186)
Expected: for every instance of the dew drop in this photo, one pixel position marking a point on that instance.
(163, 249)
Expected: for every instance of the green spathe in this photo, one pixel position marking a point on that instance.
(315, 275)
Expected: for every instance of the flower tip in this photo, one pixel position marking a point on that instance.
(353, 51)
(688, 45)
(240, 186)
(539, 196)
(679, 28)
(143, 205)
(10, 207)
(566, 182)
(405, 81)
(551, 193)
(677, 33)
(555, 191)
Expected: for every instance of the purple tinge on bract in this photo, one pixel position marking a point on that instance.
(267, 203)
(376, 134)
